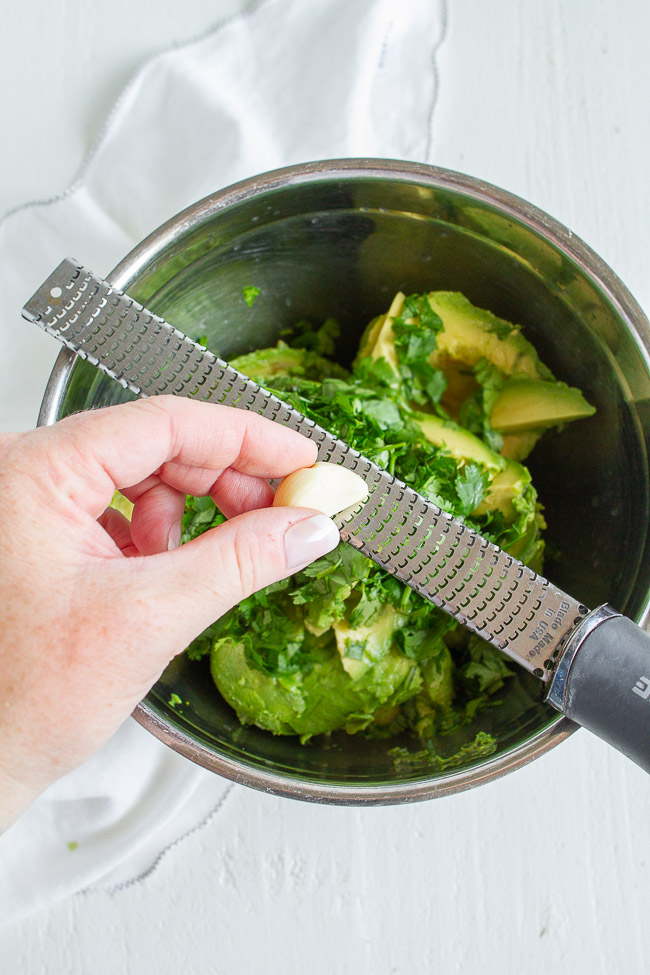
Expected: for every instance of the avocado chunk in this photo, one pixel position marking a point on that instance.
(282, 360)
(529, 547)
(360, 647)
(505, 487)
(461, 444)
(378, 340)
(295, 704)
(384, 346)
(511, 492)
(372, 660)
(517, 446)
(470, 333)
(529, 404)
(318, 700)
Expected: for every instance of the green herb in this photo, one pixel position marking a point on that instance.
(200, 515)
(174, 700)
(422, 639)
(487, 668)
(482, 746)
(72, 845)
(476, 411)
(250, 293)
(354, 650)
(415, 333)
(470, 487)
(317, 338)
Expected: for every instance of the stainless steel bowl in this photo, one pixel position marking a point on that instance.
(340, 238)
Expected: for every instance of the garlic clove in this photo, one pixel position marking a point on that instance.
(329, 488)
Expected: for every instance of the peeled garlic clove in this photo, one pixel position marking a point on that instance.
(326, 487)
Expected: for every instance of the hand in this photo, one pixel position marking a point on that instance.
(92, 608)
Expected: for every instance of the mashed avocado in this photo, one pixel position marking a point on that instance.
(343, 645)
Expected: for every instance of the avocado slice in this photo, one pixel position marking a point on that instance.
(517, 446)
(461, 444)
(472, 333)
(529, 547)
(512, 493)
(506, 485)
(529, 404)
(282, 360)
(378, 340)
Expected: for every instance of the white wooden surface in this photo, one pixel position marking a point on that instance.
(544, 871)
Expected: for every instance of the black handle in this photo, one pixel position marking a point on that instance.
(607, 686)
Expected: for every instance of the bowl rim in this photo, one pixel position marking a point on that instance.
(350, 169)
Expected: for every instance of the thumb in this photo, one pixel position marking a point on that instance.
(187, 589)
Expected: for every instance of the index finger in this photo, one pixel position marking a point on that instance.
(99, 451)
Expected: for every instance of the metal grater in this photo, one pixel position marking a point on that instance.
(486, 590)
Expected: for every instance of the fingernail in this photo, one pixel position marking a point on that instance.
(174, 537)
(307, 540)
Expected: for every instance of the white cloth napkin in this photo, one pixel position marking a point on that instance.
(288, 82)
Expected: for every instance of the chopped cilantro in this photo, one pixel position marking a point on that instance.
(250, 293)
(415, 333)
(486, 666)
(200, 515)
(319, 339)
(354, 650)
(482, 746)
(423, 639)
(476, 410)
(470, 487)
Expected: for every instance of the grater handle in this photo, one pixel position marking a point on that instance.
(605, 684)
